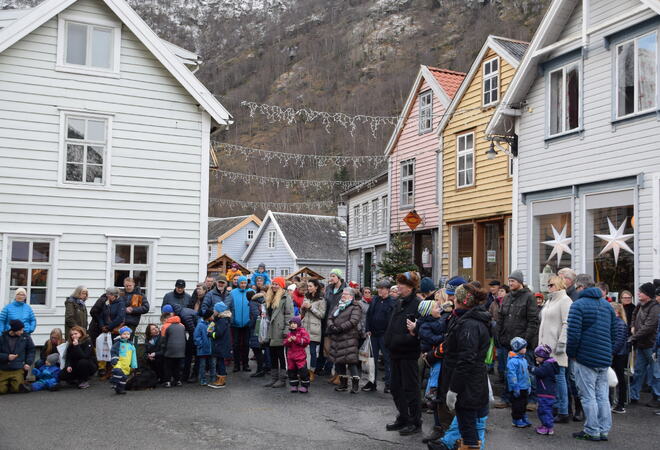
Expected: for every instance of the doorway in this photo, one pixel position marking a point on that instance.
(368, 259)
(490, 251)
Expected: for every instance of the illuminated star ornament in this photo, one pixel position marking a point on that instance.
(616, 240)
(559, 244)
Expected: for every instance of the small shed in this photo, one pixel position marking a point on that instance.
(221, 264)
(306, 273)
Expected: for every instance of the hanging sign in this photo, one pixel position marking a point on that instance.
(412, 219)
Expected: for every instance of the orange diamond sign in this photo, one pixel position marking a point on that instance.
(412, 219)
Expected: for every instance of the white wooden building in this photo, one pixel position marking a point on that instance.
(585, 104)
(368, 232)
(104, 156)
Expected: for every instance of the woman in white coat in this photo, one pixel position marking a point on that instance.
(552, 332)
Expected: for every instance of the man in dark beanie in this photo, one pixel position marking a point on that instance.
(644, 327)
(178, 297)
(16, 357)
(403, 345)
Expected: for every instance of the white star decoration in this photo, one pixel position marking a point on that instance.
(616, 240)
(559, 244)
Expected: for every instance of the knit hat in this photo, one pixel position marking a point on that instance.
(220, 307)
(280, 281)
(20, 291)
(648, 289)
(453, 283)
(242, 278)
(123, 330)
(292, 287)
(261, 266)
(338, 272)
(296, 320)
(425, 307)
(16, 325)
(180, 283)
(495, 283)
(518, 276)
(517, 344)
(426, 285)
(234, 265)
(543, 351)
(249, 294)
(53, 359)
(383, 284)
(167, 309)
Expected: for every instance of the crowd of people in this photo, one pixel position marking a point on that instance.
(437, 345)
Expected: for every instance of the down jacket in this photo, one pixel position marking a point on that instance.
(202, 339)
(344, 334)
(18, 311)
(519, 317)
(75, 314)
(645, 322)
(431, 332)
(312, 318)
(397, 338)
(16, 345)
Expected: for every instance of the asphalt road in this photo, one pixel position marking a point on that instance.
(247, 415)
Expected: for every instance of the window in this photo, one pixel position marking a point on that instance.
(552, 239)
(408, 182)
(356, 220)
(271, 273)
(30, 267)
(375, 226)
(131, 260)
(510, 166)
(636, 75)
(462, 247)
(88, 45)
(425, 112)
(284, 272)
(465, 152)
(564, 91)
(491, 81)
(384, 211)
(250, 235)
(365, 219)
(85, 149)
(210, 252)
(271, 238)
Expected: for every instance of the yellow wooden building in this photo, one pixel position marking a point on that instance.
(476, 190)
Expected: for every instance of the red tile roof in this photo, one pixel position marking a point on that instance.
(448, 79)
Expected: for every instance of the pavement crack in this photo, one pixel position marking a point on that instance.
(346, 430)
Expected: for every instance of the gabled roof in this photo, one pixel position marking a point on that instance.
(220, 228)
(554, 21)
(164, 52)
(371, 183)
(305, 272)
(508, 49)
(219, 263)
(443, 83)
(306, 236)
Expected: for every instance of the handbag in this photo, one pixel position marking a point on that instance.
(612, 380)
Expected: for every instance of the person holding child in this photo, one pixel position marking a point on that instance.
(79, 358)
(50, 347)
(16, 357)
(296, 342)
(123, 360)
(518, 383)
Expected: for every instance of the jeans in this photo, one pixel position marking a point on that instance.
(502, 354)
(453, 434)
(378, 346)
(561, 402)
(594, 393)
(468, 424)
(644, 368)
(203, 361)
(220, 368)
(313, 354)
(340, 369)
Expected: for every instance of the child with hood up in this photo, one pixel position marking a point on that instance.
(219, 331)
(48, 376)
(431, 329)
(123, 360)
(296, 341)
(546, 388)
(517, 376)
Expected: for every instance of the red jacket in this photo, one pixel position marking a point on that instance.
(296, 356)
(297, 297)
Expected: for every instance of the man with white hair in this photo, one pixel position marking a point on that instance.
(569, 277)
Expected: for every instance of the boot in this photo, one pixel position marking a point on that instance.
(467, 447)
(439, 445)
(219, 382)
(120, 388)
(274, 373)
(355, 388)
(281, 382)
(579, 413)
(312, 375)
(334, 379)
(436, 434)
(343, 384)
(304, 387)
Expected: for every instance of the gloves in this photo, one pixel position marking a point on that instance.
(451, 400)
(516, 393)
(114, 361)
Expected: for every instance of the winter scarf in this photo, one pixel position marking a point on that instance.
(342, 305)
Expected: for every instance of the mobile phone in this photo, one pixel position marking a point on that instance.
(411, 317)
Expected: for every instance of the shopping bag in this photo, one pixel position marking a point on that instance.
(490, 354)
(103, 347)
(365, 351)
(263, 330)
(368, 364)
(491, 397)
(612, 380)
(61, 349)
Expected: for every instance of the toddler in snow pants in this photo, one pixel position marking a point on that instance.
(546, 389)
(296, 357)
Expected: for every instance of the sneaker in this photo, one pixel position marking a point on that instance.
(167, 384)
(657, 413)
(178, 384)
(83, 385)
(603, 437)
(518, 423)
(386, 390)
(203, 383)
(618, 409)
(294, 389)
(545, 431)
(526, 421)
(369, 387)
(303, 390)
(586, 437)
(502, 405)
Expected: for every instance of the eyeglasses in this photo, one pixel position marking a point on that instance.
(551, 285)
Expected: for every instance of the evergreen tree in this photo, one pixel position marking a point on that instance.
(398, 259)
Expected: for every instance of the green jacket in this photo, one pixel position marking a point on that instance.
(279, 321)
(74, 314)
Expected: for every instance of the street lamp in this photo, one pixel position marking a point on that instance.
(342, 211)
(495, 141)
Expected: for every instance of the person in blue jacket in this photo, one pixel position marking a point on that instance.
(239, 305)
(260, 272)
(18, 310)
(219, 331)
(518, 382)
(48, 376)
(204, 346)
(113, 312)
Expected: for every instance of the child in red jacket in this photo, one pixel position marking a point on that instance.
(296, 356)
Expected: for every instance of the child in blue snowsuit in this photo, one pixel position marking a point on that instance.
(546, 388)
(48, 376)
(204, 347)
(431, 331)
(517, 377)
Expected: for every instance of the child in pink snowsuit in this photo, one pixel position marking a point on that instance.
(296, 342)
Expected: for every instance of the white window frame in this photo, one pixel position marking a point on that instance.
(356, 220)
(564, 105)
(426, 112)
(375, 226)
(384, 212)
(636, 111)
(365, 219)
(285, 272)
(107, 156)
(151, 266)
(490, 76)
(271, 273)
(90, 21)
(272, 238)
(410, 176)
(6, 264)
(464, 154)
(250, 234)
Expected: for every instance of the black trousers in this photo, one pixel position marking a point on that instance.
(259, 357)
(188, 360)
(404, 384)
(240, 339)
(156, 365)
(519, 405)
(80, 371)
(467, 424)
(298, 375)
(173, 368)
(277, 359)
(619, 364)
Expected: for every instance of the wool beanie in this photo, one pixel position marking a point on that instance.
(123, 330)
(53, 359)
(518, 276)
(543, 351)
(296, 320)
(16, 325)
(280, 281)
(167, 309)
(338, 272)
(648, 289)
(453, 283)
(220, 307)
(207, 314)
(426, 285)
(425, 307)
(518, 343)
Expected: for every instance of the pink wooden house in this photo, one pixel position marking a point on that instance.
(413, 163)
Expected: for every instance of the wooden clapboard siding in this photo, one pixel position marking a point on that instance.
(155, 165)
(277, 258)
(491, 193)
(423, 148)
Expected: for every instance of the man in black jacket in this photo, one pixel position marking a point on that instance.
(378, 317)
(189, 320)
(16, 357)
(403, 345)
(136, 304)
